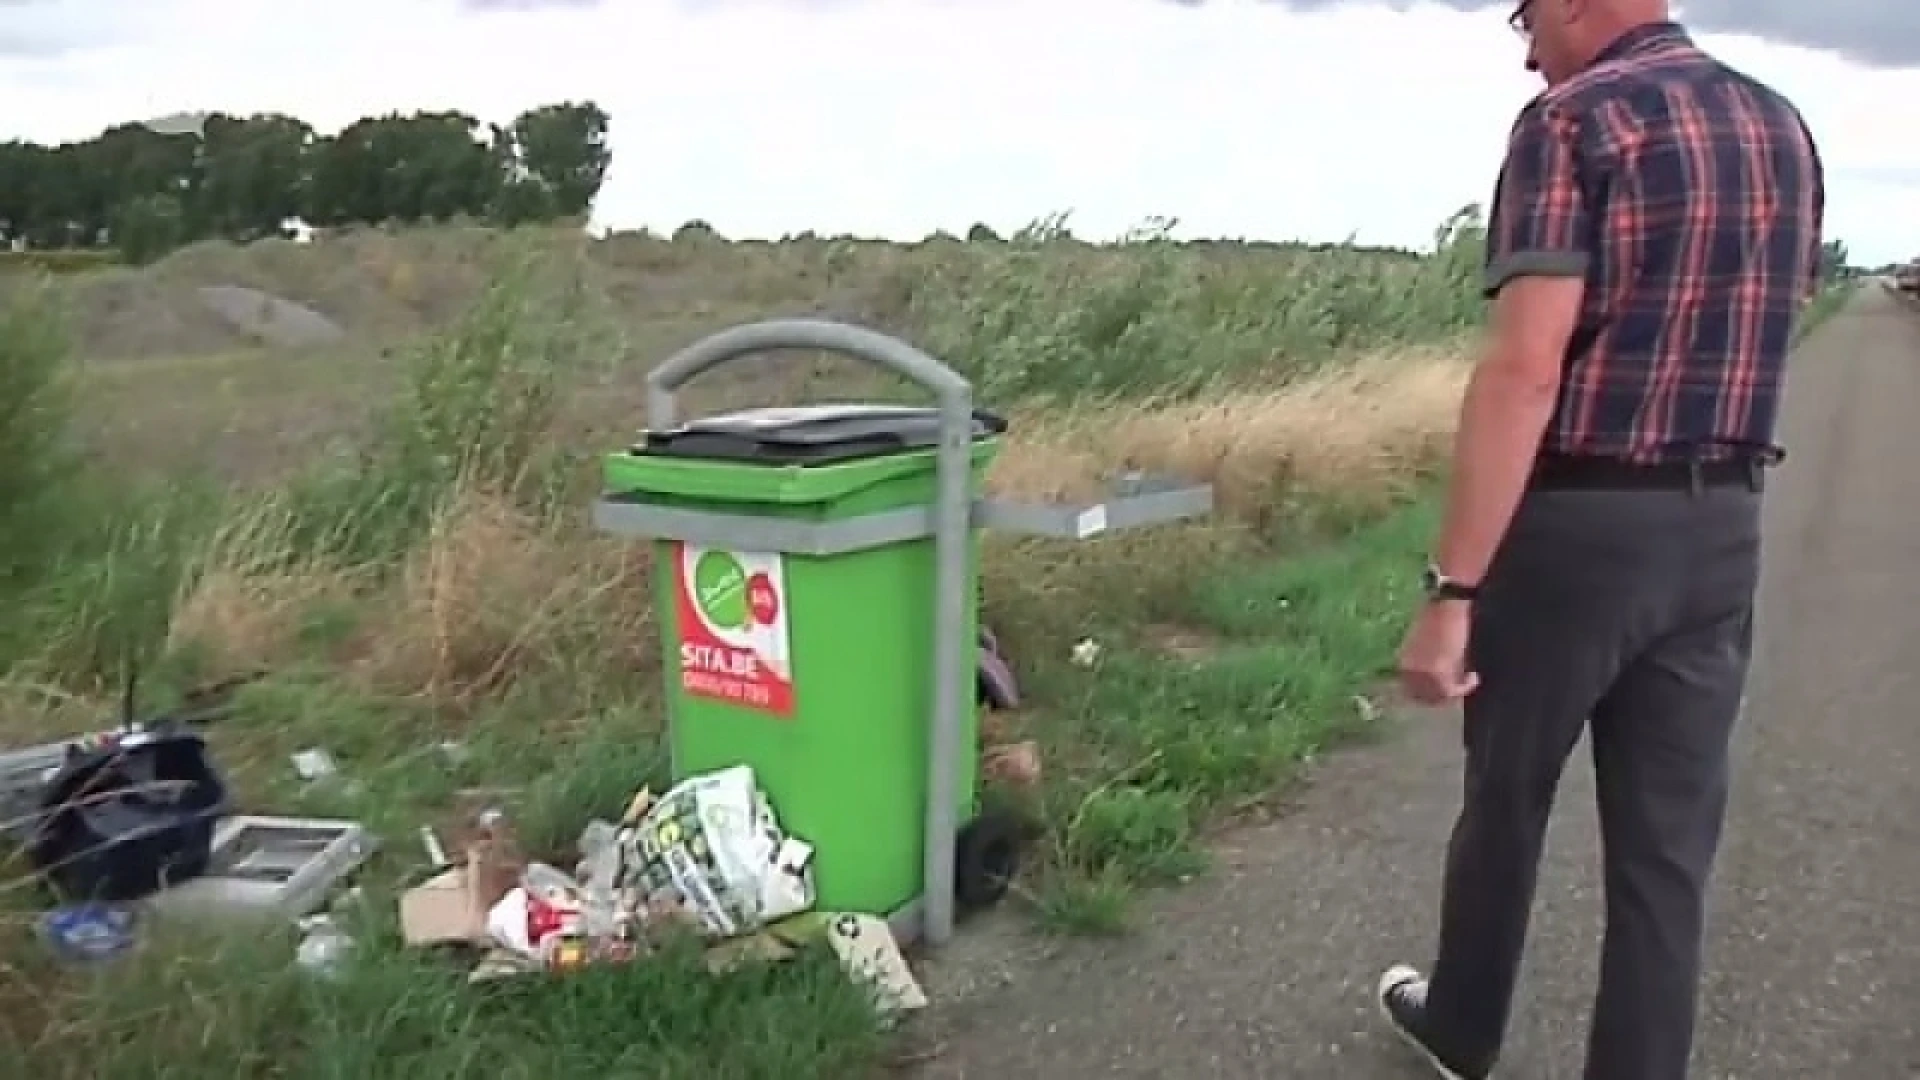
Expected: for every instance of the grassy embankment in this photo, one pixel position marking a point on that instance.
(393, 529)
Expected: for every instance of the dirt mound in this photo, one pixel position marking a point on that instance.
(213, 297)
(269, 319)
(120, 314)
(378, 285)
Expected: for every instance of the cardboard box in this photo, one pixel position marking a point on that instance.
(451, 907)
(440, 911)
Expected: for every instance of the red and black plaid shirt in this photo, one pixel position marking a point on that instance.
(1690, 198)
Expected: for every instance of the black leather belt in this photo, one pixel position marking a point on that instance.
(1569, 472)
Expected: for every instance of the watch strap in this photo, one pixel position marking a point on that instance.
(1441, 587)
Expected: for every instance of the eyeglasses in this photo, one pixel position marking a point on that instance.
(1518, 20)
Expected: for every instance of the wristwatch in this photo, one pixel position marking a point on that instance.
(1439, 586)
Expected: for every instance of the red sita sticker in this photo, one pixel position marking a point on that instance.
(732, 610)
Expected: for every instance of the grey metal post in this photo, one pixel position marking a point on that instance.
(952, 540)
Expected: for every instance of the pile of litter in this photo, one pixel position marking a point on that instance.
(135, 822)
(708, 858)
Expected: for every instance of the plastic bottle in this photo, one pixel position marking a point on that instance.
(324, 948)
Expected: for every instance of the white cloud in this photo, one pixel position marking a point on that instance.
(902, 117)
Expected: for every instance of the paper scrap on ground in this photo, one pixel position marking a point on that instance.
(870, 955)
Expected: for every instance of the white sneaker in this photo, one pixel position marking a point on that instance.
(1403, 1001)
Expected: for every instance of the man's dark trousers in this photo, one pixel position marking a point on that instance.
(1629, 613)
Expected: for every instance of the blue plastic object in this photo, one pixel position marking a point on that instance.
(88, 932)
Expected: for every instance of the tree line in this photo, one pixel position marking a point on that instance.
(144, 190)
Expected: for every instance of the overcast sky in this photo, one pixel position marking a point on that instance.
(1310, 120)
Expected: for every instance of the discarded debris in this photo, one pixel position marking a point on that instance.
(271, 866)
(542, 920)
(436, 851)
(1014, 764)
(135, 818)
(712, 847)
(870, 955)
(999, 688)
(1086, 653)
(708, 858)
(88, 933)
(443, 910)
(324, 946)
(126, 814)
(314, 765)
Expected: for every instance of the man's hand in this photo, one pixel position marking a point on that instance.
(1433, 658)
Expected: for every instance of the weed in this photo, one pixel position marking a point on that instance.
(394, 532)
(35, 440)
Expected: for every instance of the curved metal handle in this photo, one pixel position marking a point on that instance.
(953, 659)
(859, 343)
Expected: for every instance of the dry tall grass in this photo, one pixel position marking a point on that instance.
(413, 563)
(492, 591)
(1359, 429)
(398, 533)
(489, 590)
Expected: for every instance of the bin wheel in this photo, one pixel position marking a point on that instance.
(986, 857)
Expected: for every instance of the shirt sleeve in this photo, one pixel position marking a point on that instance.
(1818, 179)
(1541, 224)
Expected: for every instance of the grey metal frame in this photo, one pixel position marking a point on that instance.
(950, 521)
(24, 773)
(304, 891)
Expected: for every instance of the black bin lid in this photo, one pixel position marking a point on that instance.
(809, 434)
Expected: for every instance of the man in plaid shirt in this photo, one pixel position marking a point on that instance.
(1654, 234)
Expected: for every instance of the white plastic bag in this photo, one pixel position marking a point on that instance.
(713, 847)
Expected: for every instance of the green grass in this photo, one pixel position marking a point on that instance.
(1824, 306)
(236, 1009)
(398, 616)
(1182, 742)
(56, 262)
(1163, 749)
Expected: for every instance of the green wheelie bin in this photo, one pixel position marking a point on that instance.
(814, 669)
